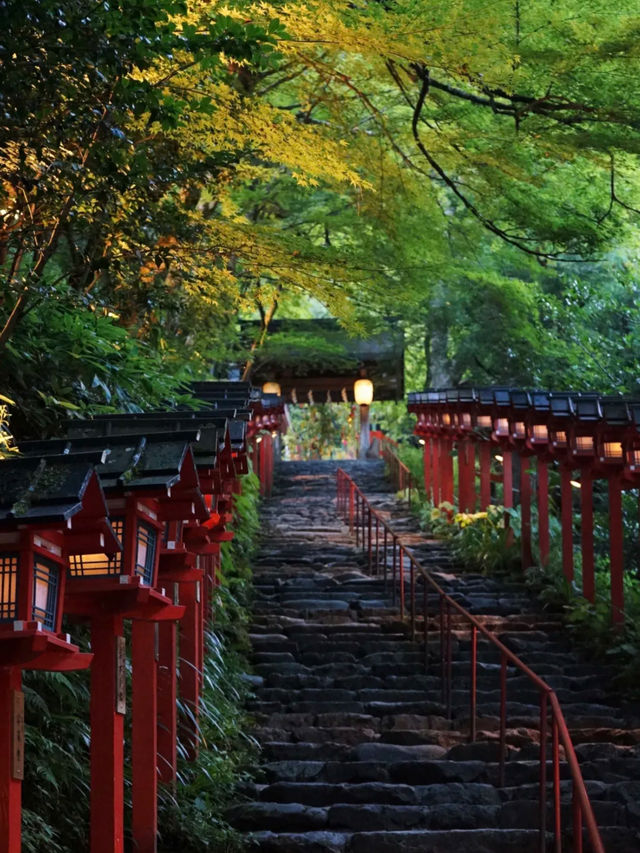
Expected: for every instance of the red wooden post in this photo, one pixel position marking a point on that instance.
(255, 458)
(471, 475)
(586, 534)
(525, 512)
(566, 501)
(543, 510)
(446, 460)
(485, 474)
(144, 708)
(616, 550)
(427, 467)
(11, 758)
(107, 710)
(463, 476)
(269, 450)
(507, 478)
(437, 470)
(190, 665)
(167, 690)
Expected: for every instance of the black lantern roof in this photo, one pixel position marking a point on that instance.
(615, 411)
(502, 397)
(485, 396)
(44, 489)
(467, 395)
(520, 399)
(137, 462)
(541, 401)
(221, 389)
(587, 407)
(561, 404)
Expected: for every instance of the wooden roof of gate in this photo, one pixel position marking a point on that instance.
(381, 355)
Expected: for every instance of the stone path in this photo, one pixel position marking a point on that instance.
(358, 754)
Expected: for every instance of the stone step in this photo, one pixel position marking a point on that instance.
(417, 841)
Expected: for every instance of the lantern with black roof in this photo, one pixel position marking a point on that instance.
(501, 415)
(467, 398)
(632, 442)
(613, 432)
(537, 422)
(562, 411)
(484, 412)
(520, 406)
(583, 428)
(50, 507)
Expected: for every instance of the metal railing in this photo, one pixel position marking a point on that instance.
(400, 475)
(375, 537)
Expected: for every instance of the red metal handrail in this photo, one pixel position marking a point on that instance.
(356, 510)
(400, 475)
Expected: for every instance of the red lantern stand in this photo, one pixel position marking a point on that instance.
(614, 433)
(444, 448)
(500, 435)
(418, 405)
(483, 426)
(562, 411)
(267, 417)
(49, 508)
(204, 541)
(466, 444)
(520, 405)
(201, 540)
(537, 443)
(581, 456)
(106, 592)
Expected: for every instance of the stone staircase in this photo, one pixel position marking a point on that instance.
(358, 754)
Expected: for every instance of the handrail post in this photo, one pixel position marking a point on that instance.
(425, 623)
(401, 573)
(394, 540)
(384, 564)
(449, 661)
(443, 688)
(474, 684)
(412, 570)
(503, 718)
(543, 772)
(557, 814)
(370, 548)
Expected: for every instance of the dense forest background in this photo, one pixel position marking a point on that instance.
(467, 169)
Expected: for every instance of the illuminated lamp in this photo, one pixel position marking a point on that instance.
(363, 392)
(584, 426)
(272, 388)
(615, 431)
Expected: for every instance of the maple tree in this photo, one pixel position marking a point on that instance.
(167, 165)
